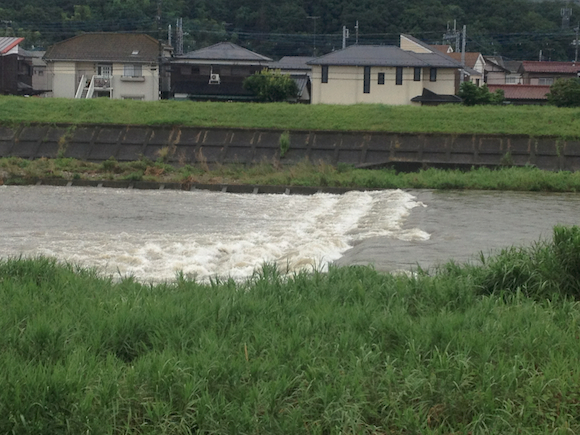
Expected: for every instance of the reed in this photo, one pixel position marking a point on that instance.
(486, 348)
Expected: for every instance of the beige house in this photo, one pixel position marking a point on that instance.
(383, 75)
(111, 65)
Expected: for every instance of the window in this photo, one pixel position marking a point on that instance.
(511, 80)
(367, 80)
(399, 78)
(433, 75)
(324, 73)
(546, 81)
(132, 70)
(381, 79)
(417, 74)
(105, 70)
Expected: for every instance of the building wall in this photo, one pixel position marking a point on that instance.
(345, 85)
(62, 79)
(408, 45)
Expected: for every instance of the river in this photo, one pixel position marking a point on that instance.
(152, 235)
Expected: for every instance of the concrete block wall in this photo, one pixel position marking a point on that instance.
(190, 145)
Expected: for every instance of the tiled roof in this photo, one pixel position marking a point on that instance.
(522, 92)
(225, 51)
(106, 47)
(293, 62)
(550, 67)
(384, 55)
(446, 49)
(7, 43)
(470, 58)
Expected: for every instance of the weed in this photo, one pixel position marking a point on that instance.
(284, 142)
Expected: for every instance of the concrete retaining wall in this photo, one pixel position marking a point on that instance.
(367, 149)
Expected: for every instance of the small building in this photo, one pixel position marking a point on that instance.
(474, 66)
(523, 94)
(15, 68)
(215, 73)
(383, 75)
(546, 73)
(297, 67)
(110, 65)
(500, 71)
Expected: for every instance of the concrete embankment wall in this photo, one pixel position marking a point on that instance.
(189, 145)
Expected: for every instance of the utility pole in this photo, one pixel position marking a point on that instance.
(463, 53)
(356, 32)
(179, 37)
(576, 29)
(313, 18)
(345, 35)
(566, 14)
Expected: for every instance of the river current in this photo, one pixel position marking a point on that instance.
(152, 235)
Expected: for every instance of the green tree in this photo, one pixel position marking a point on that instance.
(271, 86)
(565, 93)
(472, 94)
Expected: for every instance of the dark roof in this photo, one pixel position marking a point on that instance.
(522, 92)
(225, 51)
(293, 62)
(106, 47)
(431, 97)
(7, 43)
(384, 55)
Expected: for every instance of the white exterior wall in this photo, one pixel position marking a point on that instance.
(408, 45)
(346, 85)
(64, 78)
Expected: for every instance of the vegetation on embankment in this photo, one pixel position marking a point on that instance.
(454, 119)
(482, 349)
(20, 171)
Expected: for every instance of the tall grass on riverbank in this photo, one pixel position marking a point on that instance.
(527, 120)
(481, 349)
(20, 171)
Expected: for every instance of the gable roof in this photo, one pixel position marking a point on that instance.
(7, 43)
(106, 47)
(445, 49)
(384, 55)
(470, 58)
(522, 92)
(550, 67)
(510, 65)
(225, 51)
(293, 62)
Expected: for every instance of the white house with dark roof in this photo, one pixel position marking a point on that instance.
(112, 65)
(383, 75)
(216, 72)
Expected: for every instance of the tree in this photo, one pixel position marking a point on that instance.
(565, 93)
(271, 86)
(472, 94)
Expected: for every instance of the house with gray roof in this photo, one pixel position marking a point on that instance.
(15, 67)
(299, 70)
(111, 65)
(215, 73)
(383, 75)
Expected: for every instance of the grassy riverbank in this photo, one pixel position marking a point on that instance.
(20, 171)
(481, 349)
(526, 120)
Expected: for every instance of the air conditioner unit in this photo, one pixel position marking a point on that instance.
(214, 79)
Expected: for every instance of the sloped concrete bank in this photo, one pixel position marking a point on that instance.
(189, 145)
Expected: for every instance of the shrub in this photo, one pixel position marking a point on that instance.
(473, 95)
(565, 93)
(271, 86)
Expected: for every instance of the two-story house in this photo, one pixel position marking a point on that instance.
(15, 67)
(111, 65)
(383, 74)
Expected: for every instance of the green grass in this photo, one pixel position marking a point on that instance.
(20, 171)
(525, 120)
(481, 349)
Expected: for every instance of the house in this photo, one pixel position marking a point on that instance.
(215, 73)
(15, 68)
(523, 94)
(546, 73)
(297, 67)
(40, 85)
(111, 65)
(499, 71)
(474, 66)
(383, 74)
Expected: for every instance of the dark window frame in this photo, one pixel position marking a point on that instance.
(417, 74)
(399, 76)
(367, 80)
(433, 74)
(381, 78)
(324, 78)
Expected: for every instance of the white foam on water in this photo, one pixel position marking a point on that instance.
(295, 232)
